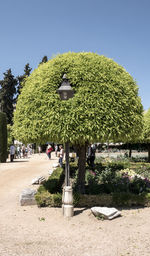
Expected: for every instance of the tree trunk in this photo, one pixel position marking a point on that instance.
(130, 150)
(81, 152)
(130, 153)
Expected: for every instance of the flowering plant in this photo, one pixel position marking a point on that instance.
(125, 180)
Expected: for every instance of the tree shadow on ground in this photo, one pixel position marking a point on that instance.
(77, 212)
(140, 207)
(19, 161)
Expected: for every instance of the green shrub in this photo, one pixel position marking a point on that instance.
(10, 136)
(46, 199)
(130, 199)
(79, 200)
(3, 138)
(73, 169)
(114, 200)
(48, 193)
(116, 165)
(54, 182)
(142, 169)
(76, 198)
(57, 199)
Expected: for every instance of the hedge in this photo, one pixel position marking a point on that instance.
(49, 193)
(114, 199)
(3, 138)
(109, 200)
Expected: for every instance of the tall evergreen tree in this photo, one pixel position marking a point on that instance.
(44, 60)
(27, 71)
(7, 95)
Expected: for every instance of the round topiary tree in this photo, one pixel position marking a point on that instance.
(105, 106)
(146, 131)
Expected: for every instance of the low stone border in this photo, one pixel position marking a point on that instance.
(27, 197)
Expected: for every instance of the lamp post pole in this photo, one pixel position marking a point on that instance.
(66, 92)
(67, 167)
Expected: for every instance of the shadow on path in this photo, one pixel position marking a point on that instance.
(18, 161)
(77, 212)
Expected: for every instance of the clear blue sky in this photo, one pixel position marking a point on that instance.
(118, 29)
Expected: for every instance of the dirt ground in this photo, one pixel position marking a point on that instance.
(33, 231)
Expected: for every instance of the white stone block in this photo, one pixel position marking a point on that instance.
(55, 165)
(50, 172)
(27, 197)
(106, 212)
(38, 180)
(41, 180)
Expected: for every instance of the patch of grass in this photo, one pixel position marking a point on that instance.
(41, 219)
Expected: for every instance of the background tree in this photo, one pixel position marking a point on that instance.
(21, 79)
(146, 131)
(44, 59)
(10, 137)
(8, 94)
(105, 106)
(3, 138)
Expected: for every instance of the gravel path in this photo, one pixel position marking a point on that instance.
(33, 231)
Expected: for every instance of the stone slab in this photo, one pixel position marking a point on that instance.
(27, 197)
(50, 172)
(55, 165)
(106, 212)
(38, 180)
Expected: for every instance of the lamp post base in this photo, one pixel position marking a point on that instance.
(68, 210)
(67, 202)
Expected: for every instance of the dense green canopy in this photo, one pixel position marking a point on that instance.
(146, 130)
(105, 105)
(7, 95)
(3, 137)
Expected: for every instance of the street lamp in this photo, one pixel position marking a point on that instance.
(66, 92)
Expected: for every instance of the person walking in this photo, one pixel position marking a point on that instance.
(49, 150)
(56, 149)
(23, 151)
(12, 152)
(18, 151)
(91, 155)
(39, 149)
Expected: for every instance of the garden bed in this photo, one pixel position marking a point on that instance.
(111, 183)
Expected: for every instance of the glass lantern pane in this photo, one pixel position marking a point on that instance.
(65, 95)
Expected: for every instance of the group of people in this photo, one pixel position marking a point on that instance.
(59, 152)
(21, 151)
